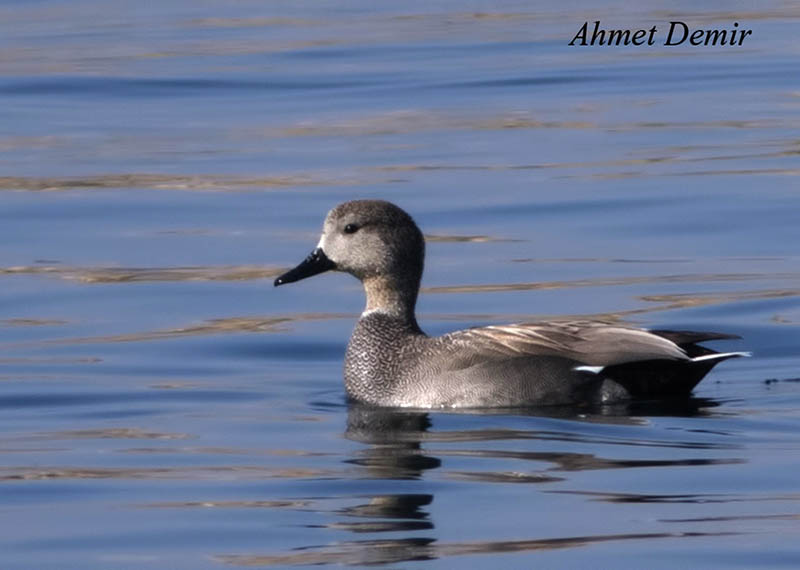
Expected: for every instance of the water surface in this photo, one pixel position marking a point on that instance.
(164, 407)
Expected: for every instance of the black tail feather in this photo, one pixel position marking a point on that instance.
(688, 340)
(665, 379)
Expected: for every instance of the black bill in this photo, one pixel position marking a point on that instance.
(316, 262)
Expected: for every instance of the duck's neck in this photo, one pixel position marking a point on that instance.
(394, 297)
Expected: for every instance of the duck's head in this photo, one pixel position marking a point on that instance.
(373, 240)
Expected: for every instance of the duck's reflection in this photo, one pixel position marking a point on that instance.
(399, 445)
(393, 451)
(394, 441)
(400, 512)
(397, 523)
(393, 438)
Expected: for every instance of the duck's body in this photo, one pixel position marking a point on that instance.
(391, 362)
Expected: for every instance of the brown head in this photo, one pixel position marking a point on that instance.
(378, 243)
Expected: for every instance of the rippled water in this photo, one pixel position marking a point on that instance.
(162, 406)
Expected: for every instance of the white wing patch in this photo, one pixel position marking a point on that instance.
(589, 369)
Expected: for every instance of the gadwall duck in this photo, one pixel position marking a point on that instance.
(391, 362)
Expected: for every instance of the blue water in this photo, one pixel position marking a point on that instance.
(163, 406)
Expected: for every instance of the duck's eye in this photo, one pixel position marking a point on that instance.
(350, 229)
